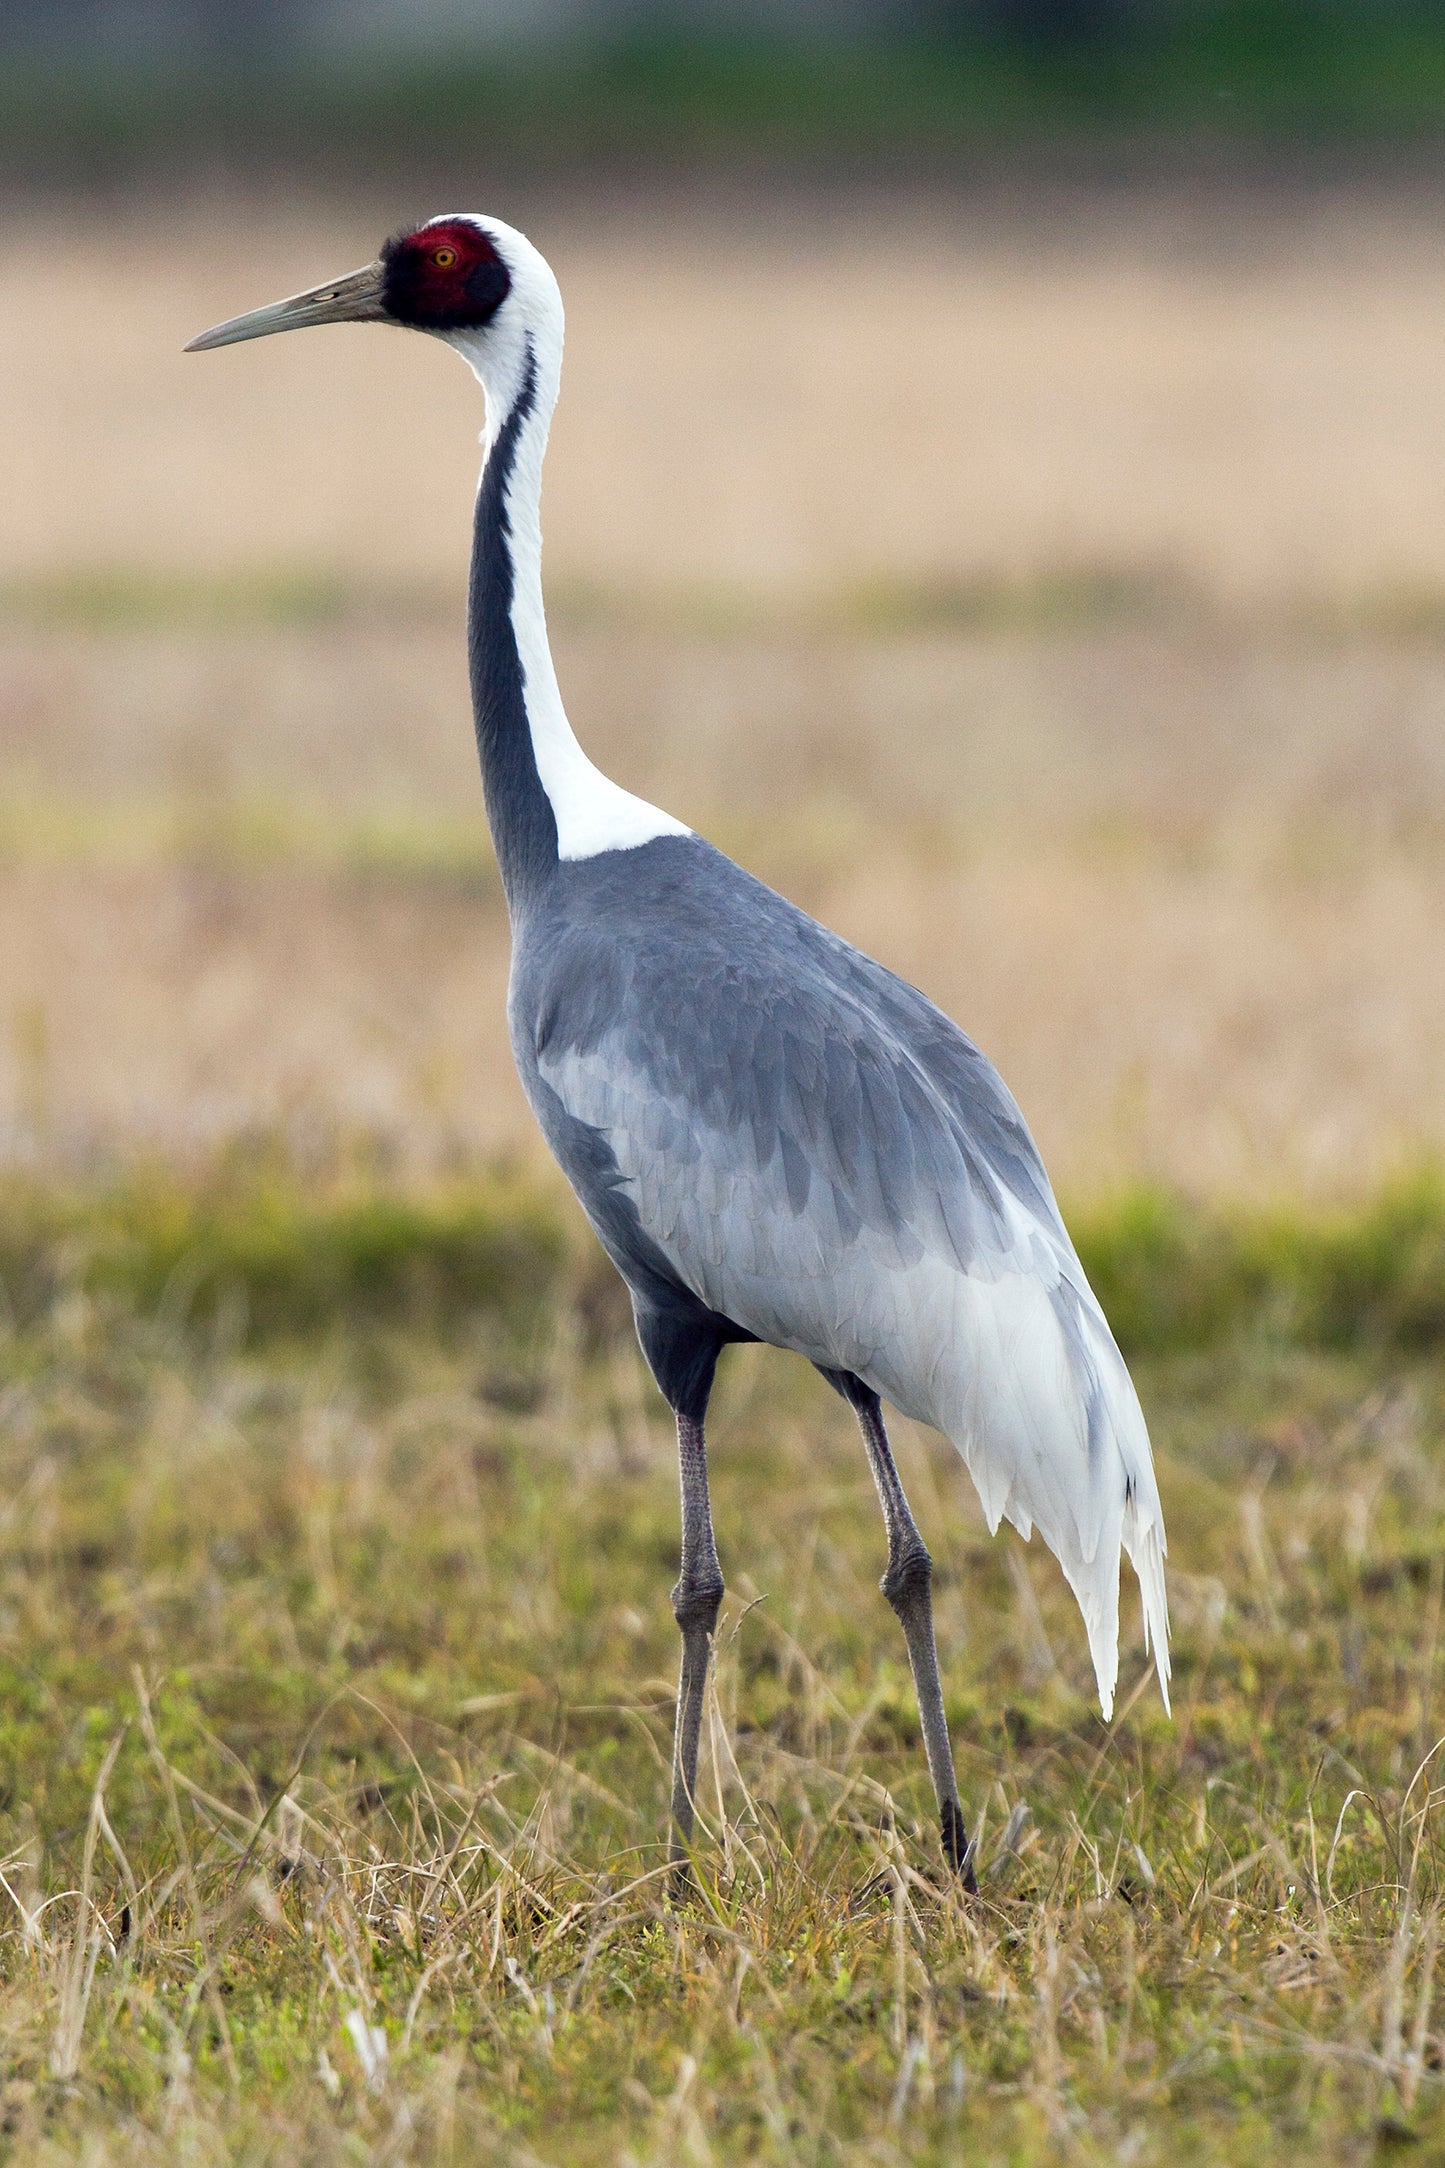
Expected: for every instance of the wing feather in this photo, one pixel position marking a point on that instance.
(822, 1157)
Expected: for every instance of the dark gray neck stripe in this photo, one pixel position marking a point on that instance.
(524, 828)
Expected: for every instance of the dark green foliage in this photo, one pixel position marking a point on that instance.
(1291, 71)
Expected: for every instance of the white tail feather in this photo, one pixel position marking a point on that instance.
(1039, 1402)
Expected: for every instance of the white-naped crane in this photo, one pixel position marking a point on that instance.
(773, 1136)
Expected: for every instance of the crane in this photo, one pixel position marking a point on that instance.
(774, 1137)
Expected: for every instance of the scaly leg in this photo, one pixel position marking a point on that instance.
(695, 1602)
(908, 1585)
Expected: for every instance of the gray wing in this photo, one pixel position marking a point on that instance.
(780, 1139)
(824, 1158)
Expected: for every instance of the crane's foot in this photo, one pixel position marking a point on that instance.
(681, 1881)
(956, 1848)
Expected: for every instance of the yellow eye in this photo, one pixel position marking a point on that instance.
(444, 258)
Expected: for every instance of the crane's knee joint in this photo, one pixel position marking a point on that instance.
(695, 1605)
(908, 1580)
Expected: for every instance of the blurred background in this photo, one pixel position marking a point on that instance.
(999, 494)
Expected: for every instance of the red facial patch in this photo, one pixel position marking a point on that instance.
(444, 277)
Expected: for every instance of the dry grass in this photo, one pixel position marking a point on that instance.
(1167, 847)
(763, 396)
(1185, 887)
(336, 1685)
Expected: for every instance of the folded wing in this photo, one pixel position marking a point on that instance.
(822, 1157)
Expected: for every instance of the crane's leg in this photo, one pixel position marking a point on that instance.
(682, 1342)
(695, 1602)
(908, 1585)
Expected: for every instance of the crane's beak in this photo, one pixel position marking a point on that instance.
(356, 299)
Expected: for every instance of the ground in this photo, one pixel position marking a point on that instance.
(337, 1672)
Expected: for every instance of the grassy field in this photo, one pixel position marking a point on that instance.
(1053, 602)
(1185, 887)
(1096, 682)
(336, 1667)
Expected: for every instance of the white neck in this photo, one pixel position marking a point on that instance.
(592, 813)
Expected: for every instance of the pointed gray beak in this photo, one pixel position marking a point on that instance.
(356, 299)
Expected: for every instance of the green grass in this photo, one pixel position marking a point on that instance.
(335, 1675)
(284, 1257)
(253, 1243)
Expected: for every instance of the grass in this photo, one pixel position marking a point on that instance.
(251, 1242)
(249, 837)
(119, 599)
(1172, 1276)
(125, 598)
(335, 1671)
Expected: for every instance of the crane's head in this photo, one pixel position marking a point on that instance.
(472, 281)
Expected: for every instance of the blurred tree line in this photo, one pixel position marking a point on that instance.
(97, 89)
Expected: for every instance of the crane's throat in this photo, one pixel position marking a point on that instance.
(545, 798)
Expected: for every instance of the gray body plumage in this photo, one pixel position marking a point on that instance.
(695, 1047)
(777, 1138)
